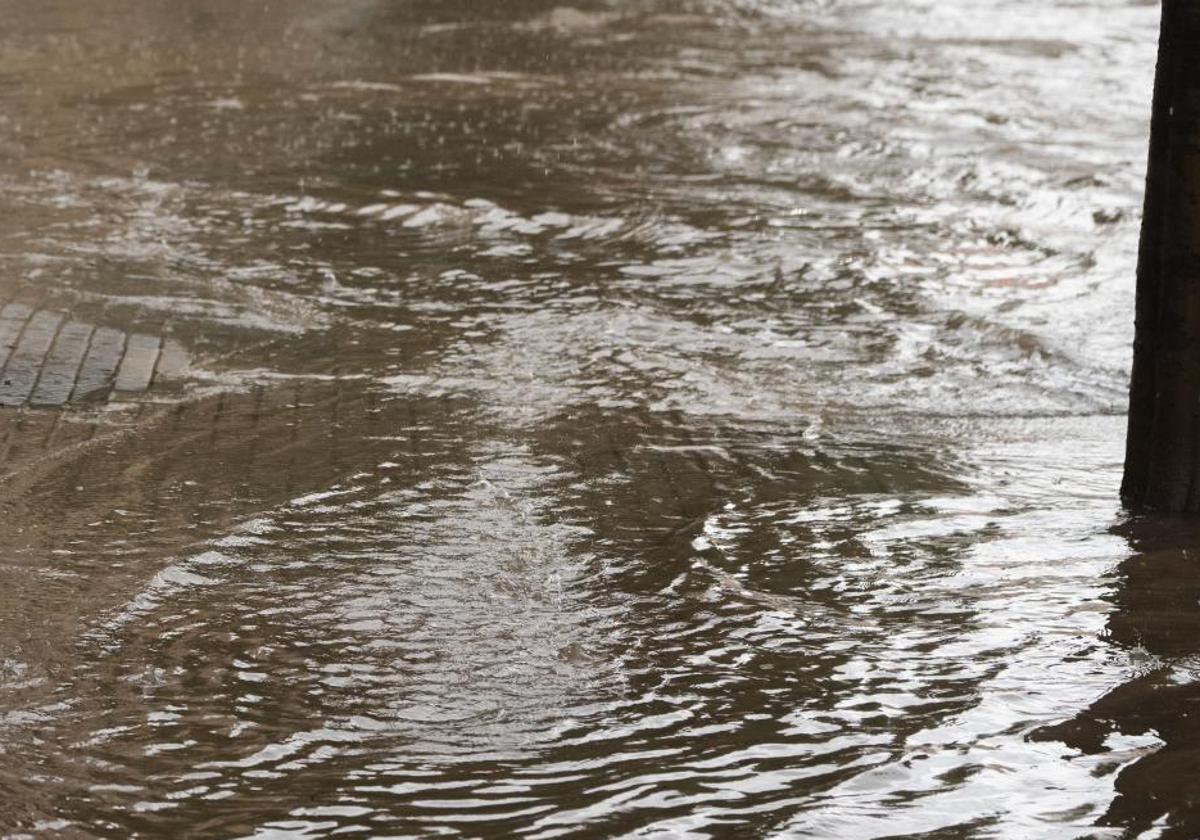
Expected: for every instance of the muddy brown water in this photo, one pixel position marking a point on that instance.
(660, 419)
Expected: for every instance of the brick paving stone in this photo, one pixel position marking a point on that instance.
(137, 368)
(25, 362)
(99, 367)
(62, 366)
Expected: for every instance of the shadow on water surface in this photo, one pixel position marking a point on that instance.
(1156, 621)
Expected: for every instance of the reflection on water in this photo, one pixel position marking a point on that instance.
(1149, 717)
(682, 419)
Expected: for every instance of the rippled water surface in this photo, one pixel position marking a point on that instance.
(659, 418)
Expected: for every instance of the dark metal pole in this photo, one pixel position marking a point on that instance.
(1162, 463)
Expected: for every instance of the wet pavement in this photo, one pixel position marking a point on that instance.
(656, 418)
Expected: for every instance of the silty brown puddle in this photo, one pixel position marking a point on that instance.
(681, 419)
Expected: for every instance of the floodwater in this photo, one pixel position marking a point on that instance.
(657, 418)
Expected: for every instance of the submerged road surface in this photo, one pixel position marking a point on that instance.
(657, 418)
